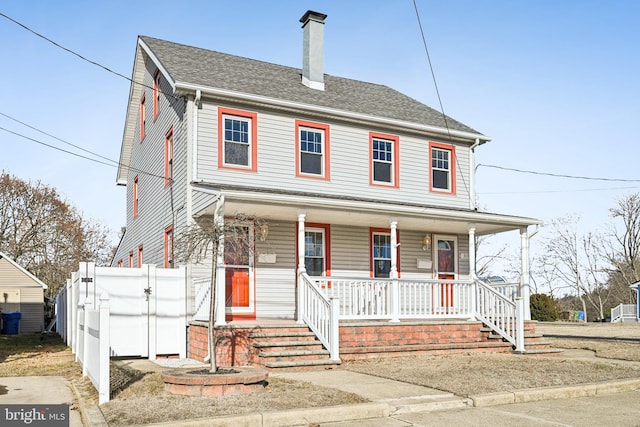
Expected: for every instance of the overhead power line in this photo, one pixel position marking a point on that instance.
(556, 175)
(97, 64)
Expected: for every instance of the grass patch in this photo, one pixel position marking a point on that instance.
(36, 354)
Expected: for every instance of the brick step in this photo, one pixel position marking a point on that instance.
(537, 344)
(344, 351)
(282, 356)
(288, 345)
(283, 336)
(299, 365)
(346, 342)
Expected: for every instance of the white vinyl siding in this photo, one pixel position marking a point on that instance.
(156, 200)
(23, 295)
(349, 162)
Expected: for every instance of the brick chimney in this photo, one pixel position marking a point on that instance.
(313, 49)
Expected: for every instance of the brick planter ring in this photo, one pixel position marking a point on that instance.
(201, 383)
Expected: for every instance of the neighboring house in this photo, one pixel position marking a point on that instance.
(21, 291)
(350, 180)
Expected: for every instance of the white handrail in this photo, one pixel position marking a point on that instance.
(500, 313)
(623, 311)
(320, 313)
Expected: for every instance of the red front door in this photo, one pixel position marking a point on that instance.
(238, 259)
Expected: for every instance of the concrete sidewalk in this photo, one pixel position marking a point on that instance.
(390, 401)
(40, 391)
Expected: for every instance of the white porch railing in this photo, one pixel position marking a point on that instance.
(392, 299)
(320, 313)
(417, 299)
(624, 312)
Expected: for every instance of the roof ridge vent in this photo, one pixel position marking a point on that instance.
(313, 49)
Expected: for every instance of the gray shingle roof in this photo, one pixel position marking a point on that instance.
(201, 67)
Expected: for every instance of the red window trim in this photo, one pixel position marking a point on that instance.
(140, 248)
(326, 176)
(327, 243)
(254, 138)
(167, 232)
(143, 113)
(120, 263)
(156, 94)
(168, 149)
(374, 230)
(395, 164)
(452, 171)
(131, 259)
(135, 197)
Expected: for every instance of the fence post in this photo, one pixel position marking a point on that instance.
(85, 339)
(153, 312)
(520, 324)
(103, 392)
(334, 340)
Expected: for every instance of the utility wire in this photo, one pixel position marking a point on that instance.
(58, 139)
(113, 163)
(97, 64)
(557, 175)
(559, 191)
(435, 84)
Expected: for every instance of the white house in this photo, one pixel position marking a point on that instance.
(362, 193)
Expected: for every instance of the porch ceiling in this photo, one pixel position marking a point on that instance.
(280, 206)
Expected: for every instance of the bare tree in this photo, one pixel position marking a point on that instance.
(45, 234)
(622, 249)
(575, 263)
(487, 256)
(213, 237)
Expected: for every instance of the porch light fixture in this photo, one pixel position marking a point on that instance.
(264, 232)
(426, 243)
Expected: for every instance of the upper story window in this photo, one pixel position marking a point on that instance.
(120, 263)
(135, 197)
(312, 150)
(442, 166)
(131, 259)
(140, 248)
(168, 247)
(237, 139)
(168, 157)
(384, 164)
(156, 94)
(143, 116)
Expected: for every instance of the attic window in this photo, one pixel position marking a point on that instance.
(156, 94)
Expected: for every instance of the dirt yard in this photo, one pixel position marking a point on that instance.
(596, 352)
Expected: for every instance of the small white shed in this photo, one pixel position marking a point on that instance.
(21, 291)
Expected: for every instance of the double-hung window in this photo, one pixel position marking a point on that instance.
(168, 157)
(237, 139)
(312, 150)
(168, 247)
(314, 252)
(143, 116)
(381, 243)
(443, 161)
(156, 94)
(383, 152)
(135, 197)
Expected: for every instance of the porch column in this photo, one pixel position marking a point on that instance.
(301, 267)
(395, 291)
(472, 252)
(220, 285)
(524, 277)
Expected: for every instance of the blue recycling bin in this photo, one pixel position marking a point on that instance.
(11, 322)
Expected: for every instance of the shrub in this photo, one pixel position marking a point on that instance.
(544, 308)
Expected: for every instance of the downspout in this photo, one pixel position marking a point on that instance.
(194, 152)
(472, 176)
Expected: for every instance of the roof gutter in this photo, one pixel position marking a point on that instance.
(180, 86)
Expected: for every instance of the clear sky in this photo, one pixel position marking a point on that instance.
(553, 83)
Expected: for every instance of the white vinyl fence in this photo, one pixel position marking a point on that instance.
(148, 308)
